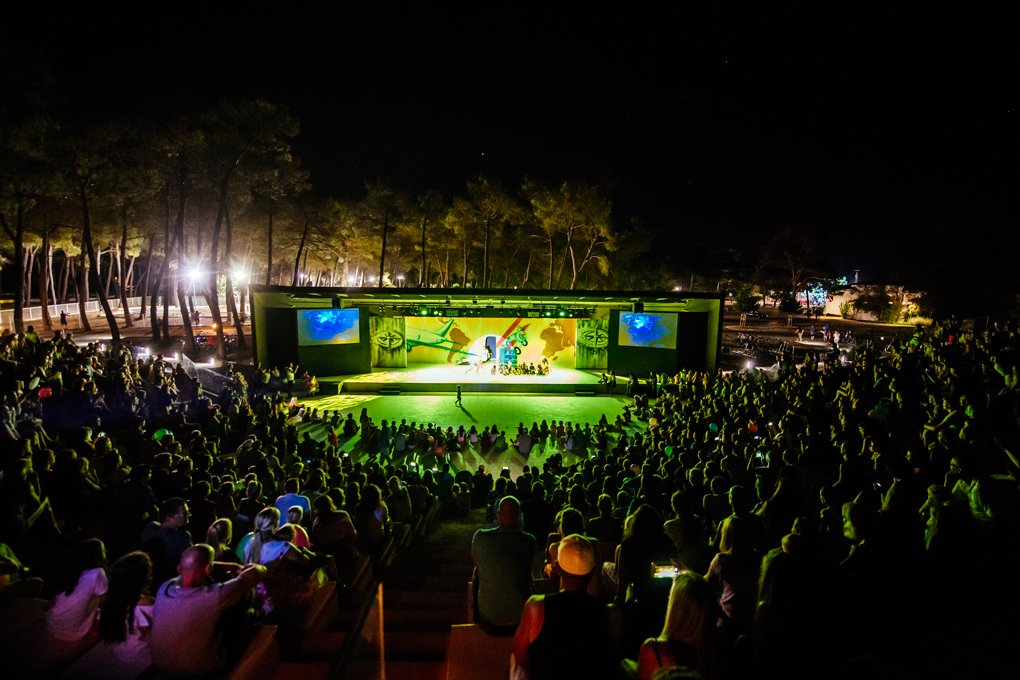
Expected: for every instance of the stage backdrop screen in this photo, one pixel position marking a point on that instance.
(328, 327)
(647, 330)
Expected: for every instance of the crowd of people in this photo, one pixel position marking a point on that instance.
(747, 524)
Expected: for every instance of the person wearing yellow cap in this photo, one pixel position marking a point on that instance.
(569, 633)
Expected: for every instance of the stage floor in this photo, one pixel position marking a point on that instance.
(446, 378)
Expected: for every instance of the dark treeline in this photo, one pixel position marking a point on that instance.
(199, 205)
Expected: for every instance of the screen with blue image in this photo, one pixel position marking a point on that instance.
(328, 327)
(638, 329)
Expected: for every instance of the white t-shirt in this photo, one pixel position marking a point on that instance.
(121, 660)
(72, 616)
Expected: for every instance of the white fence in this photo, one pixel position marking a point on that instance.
(93, 307)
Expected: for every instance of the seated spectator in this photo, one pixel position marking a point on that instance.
(75, 610)
(569, 634)
(372, 519)
(165, 541)
(295, 515)
(124, 624)
(187, 637)
(523, 443)
(398, 500)
(502, 580)
(333, 532)
(292, 497)
(219, 537)
(734, 574)
(690, 635)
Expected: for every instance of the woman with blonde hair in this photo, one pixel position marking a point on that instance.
(219, 537)
(688, 637)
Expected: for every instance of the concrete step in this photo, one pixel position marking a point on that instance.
(426, 616)
(303, 671)
(440, 584)
(417, 642)
(415, 670)
(421, 599)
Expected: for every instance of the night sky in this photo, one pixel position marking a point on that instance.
(879, 132)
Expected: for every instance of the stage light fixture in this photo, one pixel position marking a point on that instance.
(563, 312)
(424, 312)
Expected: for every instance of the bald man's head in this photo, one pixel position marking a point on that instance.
(195, 565)
(509, 514)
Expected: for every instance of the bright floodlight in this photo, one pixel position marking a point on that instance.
(194, 274)
(239, 275)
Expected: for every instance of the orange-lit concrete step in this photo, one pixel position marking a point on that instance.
(415, 670)
(303, 671)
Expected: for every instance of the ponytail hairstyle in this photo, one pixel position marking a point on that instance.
(130, 579)
(266, 524)
(219, 535)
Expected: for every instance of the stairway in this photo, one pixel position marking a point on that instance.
(425, 592)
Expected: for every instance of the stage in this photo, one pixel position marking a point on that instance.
(446, 378)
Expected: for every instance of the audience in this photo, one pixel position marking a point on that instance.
(810, 497)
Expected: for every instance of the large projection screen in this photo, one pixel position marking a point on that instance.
(638, 329)
(328, 327)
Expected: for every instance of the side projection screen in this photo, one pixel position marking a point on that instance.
(647, 330)
(328, 327)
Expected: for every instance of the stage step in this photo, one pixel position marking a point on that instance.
(584, 393)
(390, 390)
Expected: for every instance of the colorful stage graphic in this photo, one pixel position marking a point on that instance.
(467, 340)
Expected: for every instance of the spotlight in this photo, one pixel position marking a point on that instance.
(563, 312)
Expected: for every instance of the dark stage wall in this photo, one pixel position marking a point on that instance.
(282, 347)
(692, 334)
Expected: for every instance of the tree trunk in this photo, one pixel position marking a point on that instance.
(382, 255)
(346, 271)
(269, 269)
(301, 247)
(29, 268)
(83, 293)
(121, 278)
(238, 324)
(212, 296)
(86, 237)
(65, 274)
(446, 274)
(551, 258)
(423, 274)
(44, 275)
(181, 252)
(485, 254)
(158, 284)
(109, 270)
(18, 237)
(148, 277)
(527, 271)
(52, 282)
